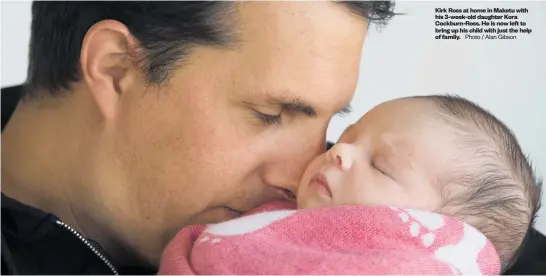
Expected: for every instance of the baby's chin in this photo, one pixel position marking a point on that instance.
(311, 195)
(307, 204)
(301, 200)
(306, 201)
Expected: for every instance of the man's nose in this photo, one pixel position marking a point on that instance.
(284, 173)
(342, 155)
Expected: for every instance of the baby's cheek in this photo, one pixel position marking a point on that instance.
(370, 194)
(354, 194)
(311, 170)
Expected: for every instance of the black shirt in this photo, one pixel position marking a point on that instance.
(34, 242)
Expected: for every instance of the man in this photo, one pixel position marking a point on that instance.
(140, 118)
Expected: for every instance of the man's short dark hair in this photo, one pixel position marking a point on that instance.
(497, 191)
(164, 30)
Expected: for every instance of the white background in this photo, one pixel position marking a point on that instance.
(508, 77)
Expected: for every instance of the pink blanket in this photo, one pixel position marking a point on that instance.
(333, 240)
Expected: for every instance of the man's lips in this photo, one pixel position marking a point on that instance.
(320, 182)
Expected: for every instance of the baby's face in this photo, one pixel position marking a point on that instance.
(391, 156)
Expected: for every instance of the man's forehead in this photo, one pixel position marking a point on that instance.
(287, 33)
(293, 58)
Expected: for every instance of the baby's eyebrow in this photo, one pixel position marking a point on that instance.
(384, 153)
(396, 154)
(392, 150)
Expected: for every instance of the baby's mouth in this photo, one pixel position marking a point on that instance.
(320, 183)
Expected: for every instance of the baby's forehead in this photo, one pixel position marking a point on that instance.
(402, 142)
(397, 116)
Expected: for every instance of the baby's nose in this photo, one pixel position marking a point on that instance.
(342, 155)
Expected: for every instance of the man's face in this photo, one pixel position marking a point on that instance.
(210, 141)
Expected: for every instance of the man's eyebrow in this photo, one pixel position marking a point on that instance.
(296, 105)
(346, 110)
(300, 106)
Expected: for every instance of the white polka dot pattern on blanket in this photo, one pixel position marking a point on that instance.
(471, 243)
(416, 219)
(428, 239)
(414, 229)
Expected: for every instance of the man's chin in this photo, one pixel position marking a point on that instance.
(214, 215)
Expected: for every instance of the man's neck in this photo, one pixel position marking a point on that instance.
(48, 162)
(35, 168)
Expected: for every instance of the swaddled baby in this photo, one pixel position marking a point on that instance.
(421, 185)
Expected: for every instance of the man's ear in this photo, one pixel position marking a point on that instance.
(106, 65)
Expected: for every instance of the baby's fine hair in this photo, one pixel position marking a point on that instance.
(495, 188)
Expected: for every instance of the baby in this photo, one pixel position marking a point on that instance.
(440, 164)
